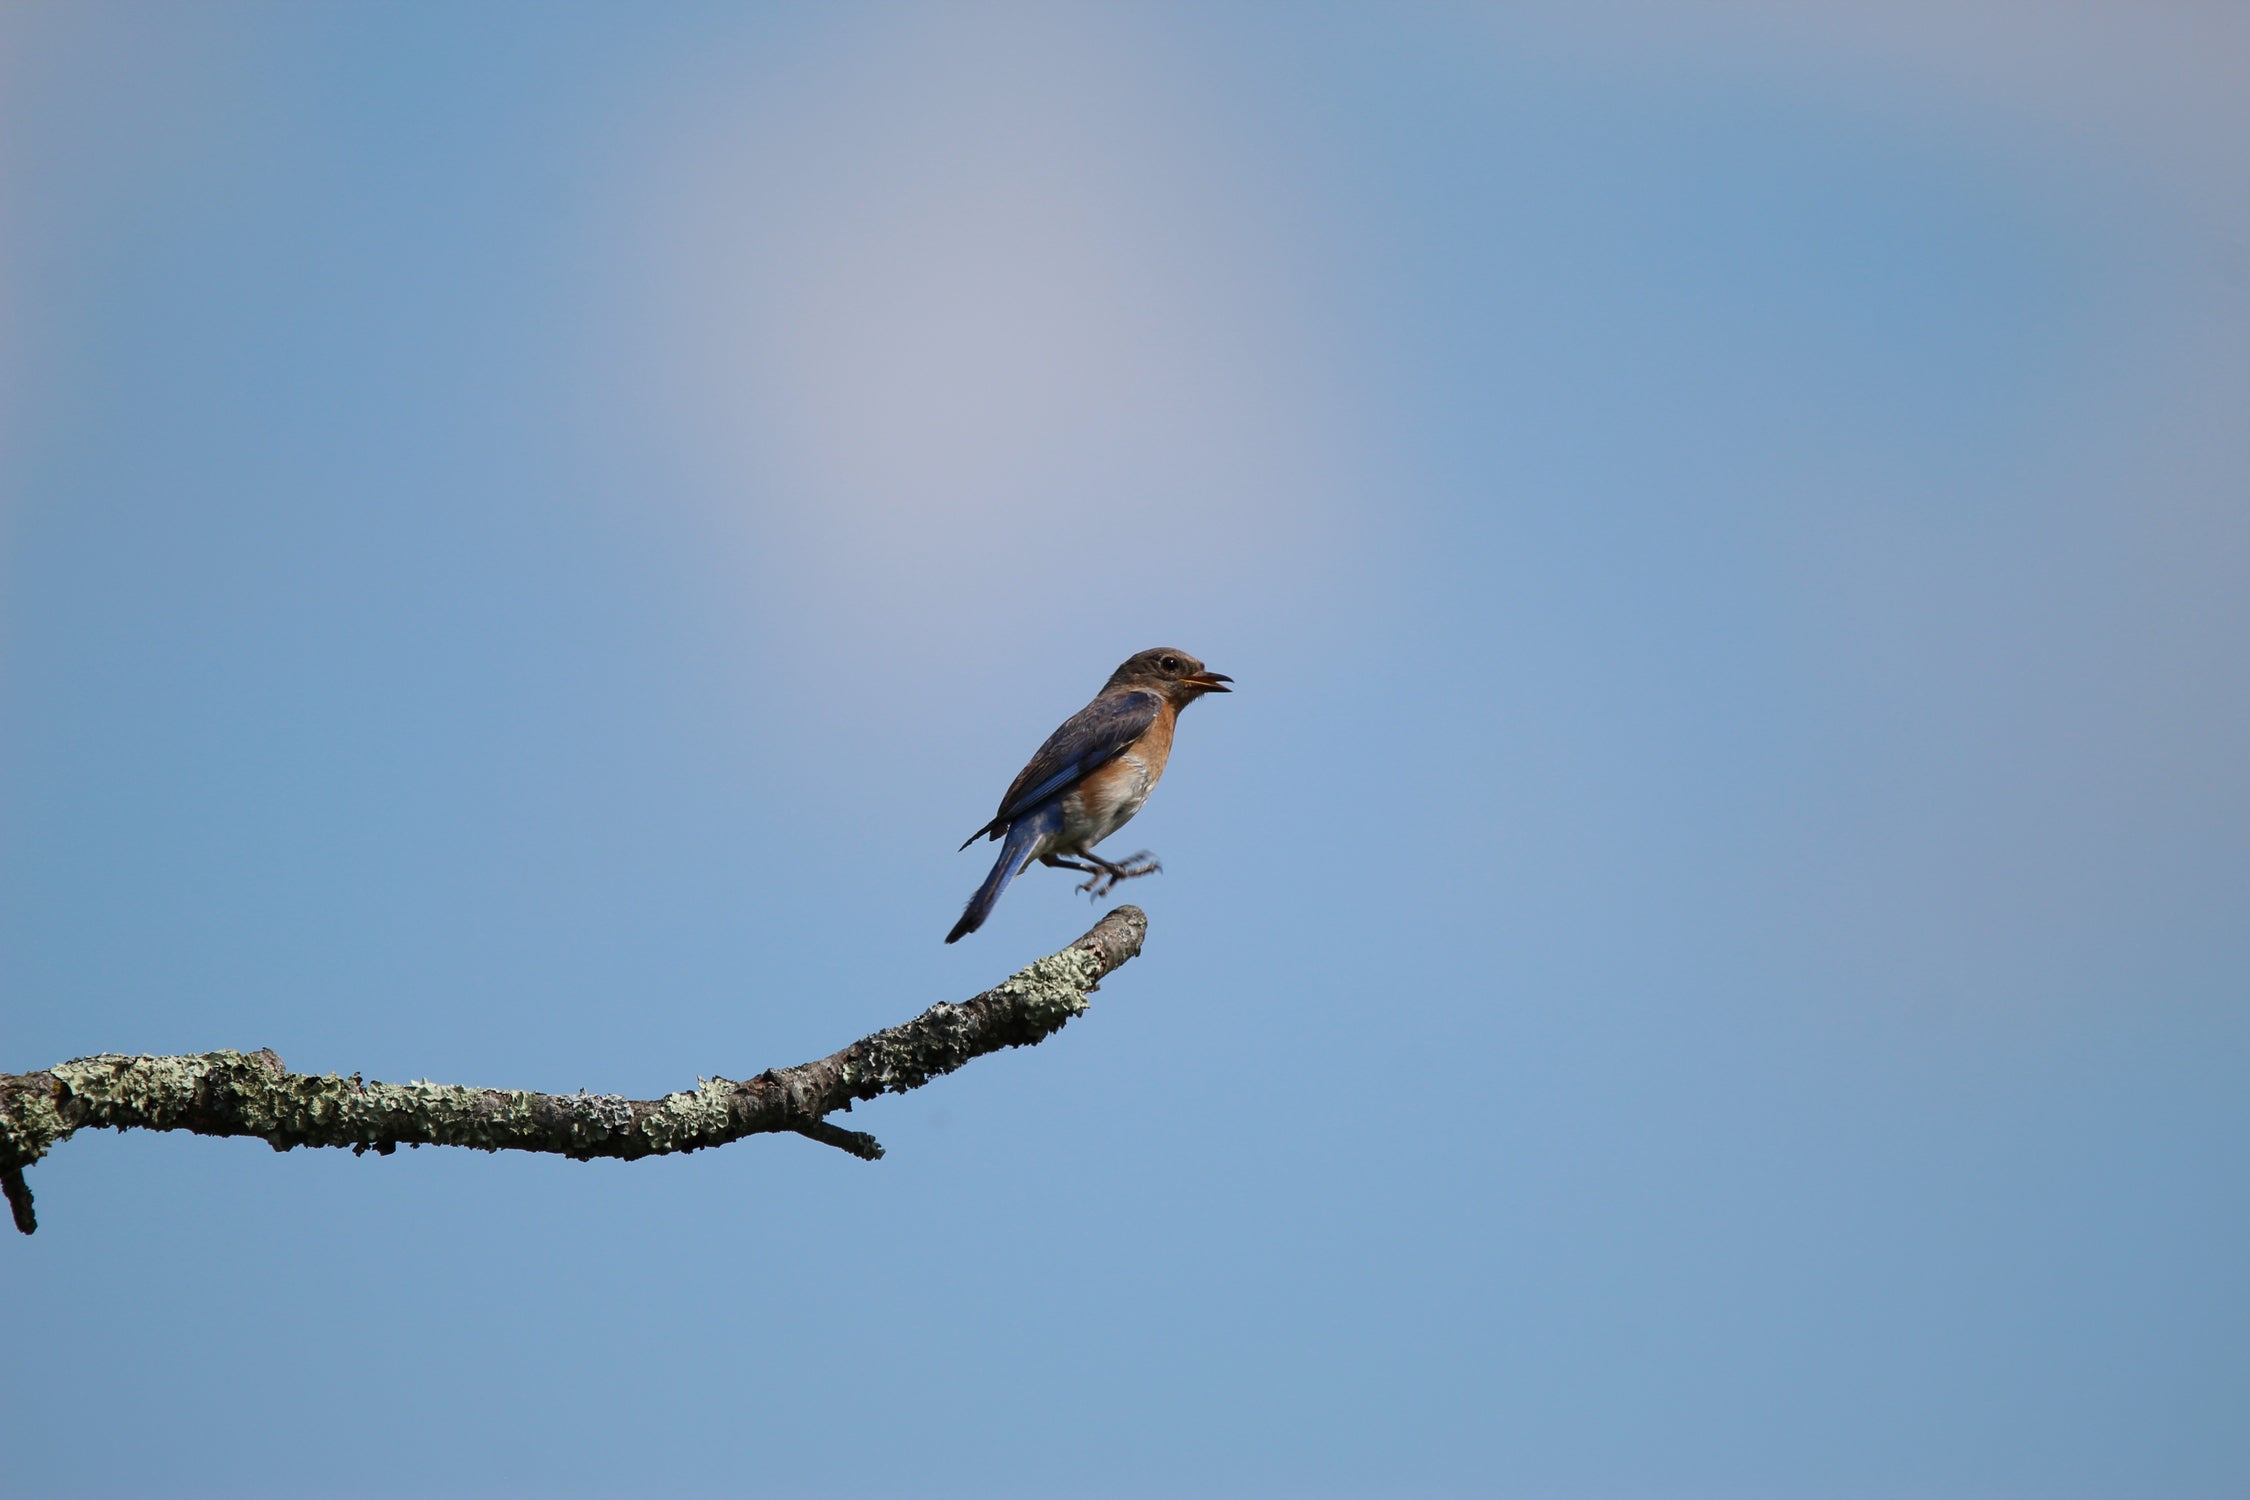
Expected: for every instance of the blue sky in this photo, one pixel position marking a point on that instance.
(1706, 957)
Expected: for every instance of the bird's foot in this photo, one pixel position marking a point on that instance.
(1107, 874)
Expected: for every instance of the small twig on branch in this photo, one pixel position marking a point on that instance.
(858, 1142)
(251, 1093)
(19, 1198)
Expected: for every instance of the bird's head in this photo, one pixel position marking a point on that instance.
(1171, 672)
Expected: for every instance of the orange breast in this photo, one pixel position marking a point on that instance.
(1155, 747)
(1107, 798)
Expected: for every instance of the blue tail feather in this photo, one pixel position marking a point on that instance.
(1015, 853)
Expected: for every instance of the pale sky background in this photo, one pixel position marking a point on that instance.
(1709, 955)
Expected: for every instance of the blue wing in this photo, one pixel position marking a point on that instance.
(1089, 739)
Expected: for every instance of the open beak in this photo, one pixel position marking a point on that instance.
(1210, 682)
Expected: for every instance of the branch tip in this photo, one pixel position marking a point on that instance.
(858, 1142)
(19, 1199)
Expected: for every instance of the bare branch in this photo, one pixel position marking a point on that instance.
(251, 1093)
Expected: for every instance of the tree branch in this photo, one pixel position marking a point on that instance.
(251, 1093)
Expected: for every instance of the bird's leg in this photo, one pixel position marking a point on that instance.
(1098, 879)
(1056, 861)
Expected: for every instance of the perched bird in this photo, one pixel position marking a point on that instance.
(1089, 778)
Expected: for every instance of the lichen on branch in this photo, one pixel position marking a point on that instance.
(253, 1094)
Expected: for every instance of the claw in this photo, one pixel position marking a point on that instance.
(1102, 876)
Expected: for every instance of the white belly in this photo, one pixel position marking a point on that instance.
(1099, 809)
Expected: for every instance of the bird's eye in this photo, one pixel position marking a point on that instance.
(1171, 664)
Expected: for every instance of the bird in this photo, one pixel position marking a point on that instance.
(1090, 777)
